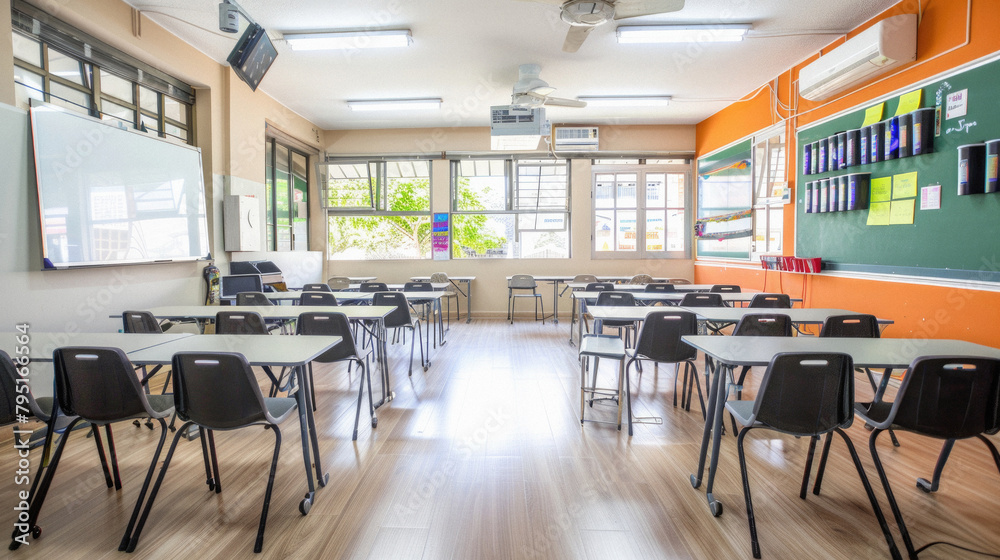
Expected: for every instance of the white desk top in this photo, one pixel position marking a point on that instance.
(279, 312)
(641, 287)
(456, 278)
(808, 316)
(259, 350)
(896, 353)
(41, 344)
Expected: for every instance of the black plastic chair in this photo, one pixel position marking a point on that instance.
(617, 299)
(253, 298)
(144, 322)
(599, 286)
(725, 289)
(251, 323)
(526, 283)
(336, 324)
(373, 287)
(943, 397)
(662, 287)
(99, 386)
(770, 301)
(702, 299)
(318, 287)
(758, 324)
(400, 318)
(318, 298)
(805, 395)
(659, 340)
(218, 391)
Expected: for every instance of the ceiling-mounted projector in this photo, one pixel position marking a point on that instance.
(514, 127)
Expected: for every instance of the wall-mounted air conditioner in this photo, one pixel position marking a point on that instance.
(576, 138)
(883, 46)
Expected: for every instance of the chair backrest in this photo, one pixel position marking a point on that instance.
(660, 336)
(949, 397)
(231, 285)
(140, 322)
(764, 324)
(329, 324)
(725, 288)
(624, 299)
(771, 301)
(267, 267)
(524, 281)
(8, 390)
(317, 298)
(418, 287)
(97, 384)
(439, 277)
(252, 298)
(806, 393)
(660, 287)
(316, 287)
(239, 322)
(702, 299)
(599, 286)
(217, 390)
(243, 267)
(851, 326)
(679, 281)
(400, 317)
(373, 287)
(339, 283)
(641, 279)
(585, 278)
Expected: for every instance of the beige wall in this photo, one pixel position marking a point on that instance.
(490, 287)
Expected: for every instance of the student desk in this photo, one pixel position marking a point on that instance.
(555, 280)
(294, 295)
(426, 298)
(731, 351)
(294, 352)
(370, 314)
(453, 280)
(41, 344)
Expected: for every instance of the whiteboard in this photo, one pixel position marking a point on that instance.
(111, 196)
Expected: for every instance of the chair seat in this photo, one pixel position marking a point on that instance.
(603, 347)
(279, 407)
(741, 410)
(873, 412)
(163, 404)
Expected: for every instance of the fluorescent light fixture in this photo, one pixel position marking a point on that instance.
(681, 33)
(348, 40)
(626, 101)
(395, 104)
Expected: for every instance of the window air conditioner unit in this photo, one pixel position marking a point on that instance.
(883, 46)
(513, 127)
(576, 138)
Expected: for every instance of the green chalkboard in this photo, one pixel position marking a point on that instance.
(959, 240)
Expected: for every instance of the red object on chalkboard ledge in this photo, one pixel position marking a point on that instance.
(792, 264)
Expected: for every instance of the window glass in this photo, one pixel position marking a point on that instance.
(69, 98)
(27, 49)
(68, 68)
(149, 100)
(639, 212)
(111, 111)
(117, 87)
(174, 109)
(28, 85)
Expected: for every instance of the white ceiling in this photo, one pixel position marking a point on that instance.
(467, 52)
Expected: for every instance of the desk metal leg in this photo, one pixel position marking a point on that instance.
(440, 323)
(381, 348)
(468, 300)
(713, 429)
(304, 408)
(306, 391)
(555, 301)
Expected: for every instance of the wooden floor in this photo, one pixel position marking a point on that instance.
(483, 456)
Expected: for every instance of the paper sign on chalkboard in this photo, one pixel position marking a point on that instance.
(901, 212)
(881, 189)
(904, 185)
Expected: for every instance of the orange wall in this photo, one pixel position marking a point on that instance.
(919, 310)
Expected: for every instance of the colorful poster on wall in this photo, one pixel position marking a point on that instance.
(439, 237)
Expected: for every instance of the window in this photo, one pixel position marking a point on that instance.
(510, 208)
(58, 64)
(770, 190)
(639, 211)
(286, 190)
(378, 209)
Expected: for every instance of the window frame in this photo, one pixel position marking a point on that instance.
(271, 195)
(641, 170)
(766, 175)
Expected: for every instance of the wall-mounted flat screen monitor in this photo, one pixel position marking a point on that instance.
(252, 55)
(111, 196)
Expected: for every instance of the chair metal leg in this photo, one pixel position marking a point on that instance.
(156, 488)
(96, 432)
(993, 449)
(209, 480)
(893, 550)
(822, 463)
(215, 461)
(114, 457)
(896, 513)
(804, 490)
(145, 486)
(361, 394)
(259, 543)
(754, 544)
(932, 485)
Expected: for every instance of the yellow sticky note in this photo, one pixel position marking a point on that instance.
(878, 214)
(881, 189)
(874, 114)
(901, 211)
(909, 102)
(904, 185)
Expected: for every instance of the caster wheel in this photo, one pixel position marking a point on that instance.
(425, 368)
(324, 480)
(374, 422)
(716, 508)
(925, 485)
(304, 506)
(36, 532)
(694, 482)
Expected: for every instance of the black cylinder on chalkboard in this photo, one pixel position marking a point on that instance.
(852, 152)
(864, 150)
(923, 131)
(824, 156)
(815, 197)
(824, 195)
(807, 151)
(857, 190)
(842, 188)
(809, 198)
(814, 164)
(876, 136)
(891, 146)
(991, 166)
(841, 150)
(834, 146)
(905, 142)
(970, 168)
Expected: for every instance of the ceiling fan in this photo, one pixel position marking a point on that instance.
(532, 91)
(584, 15)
